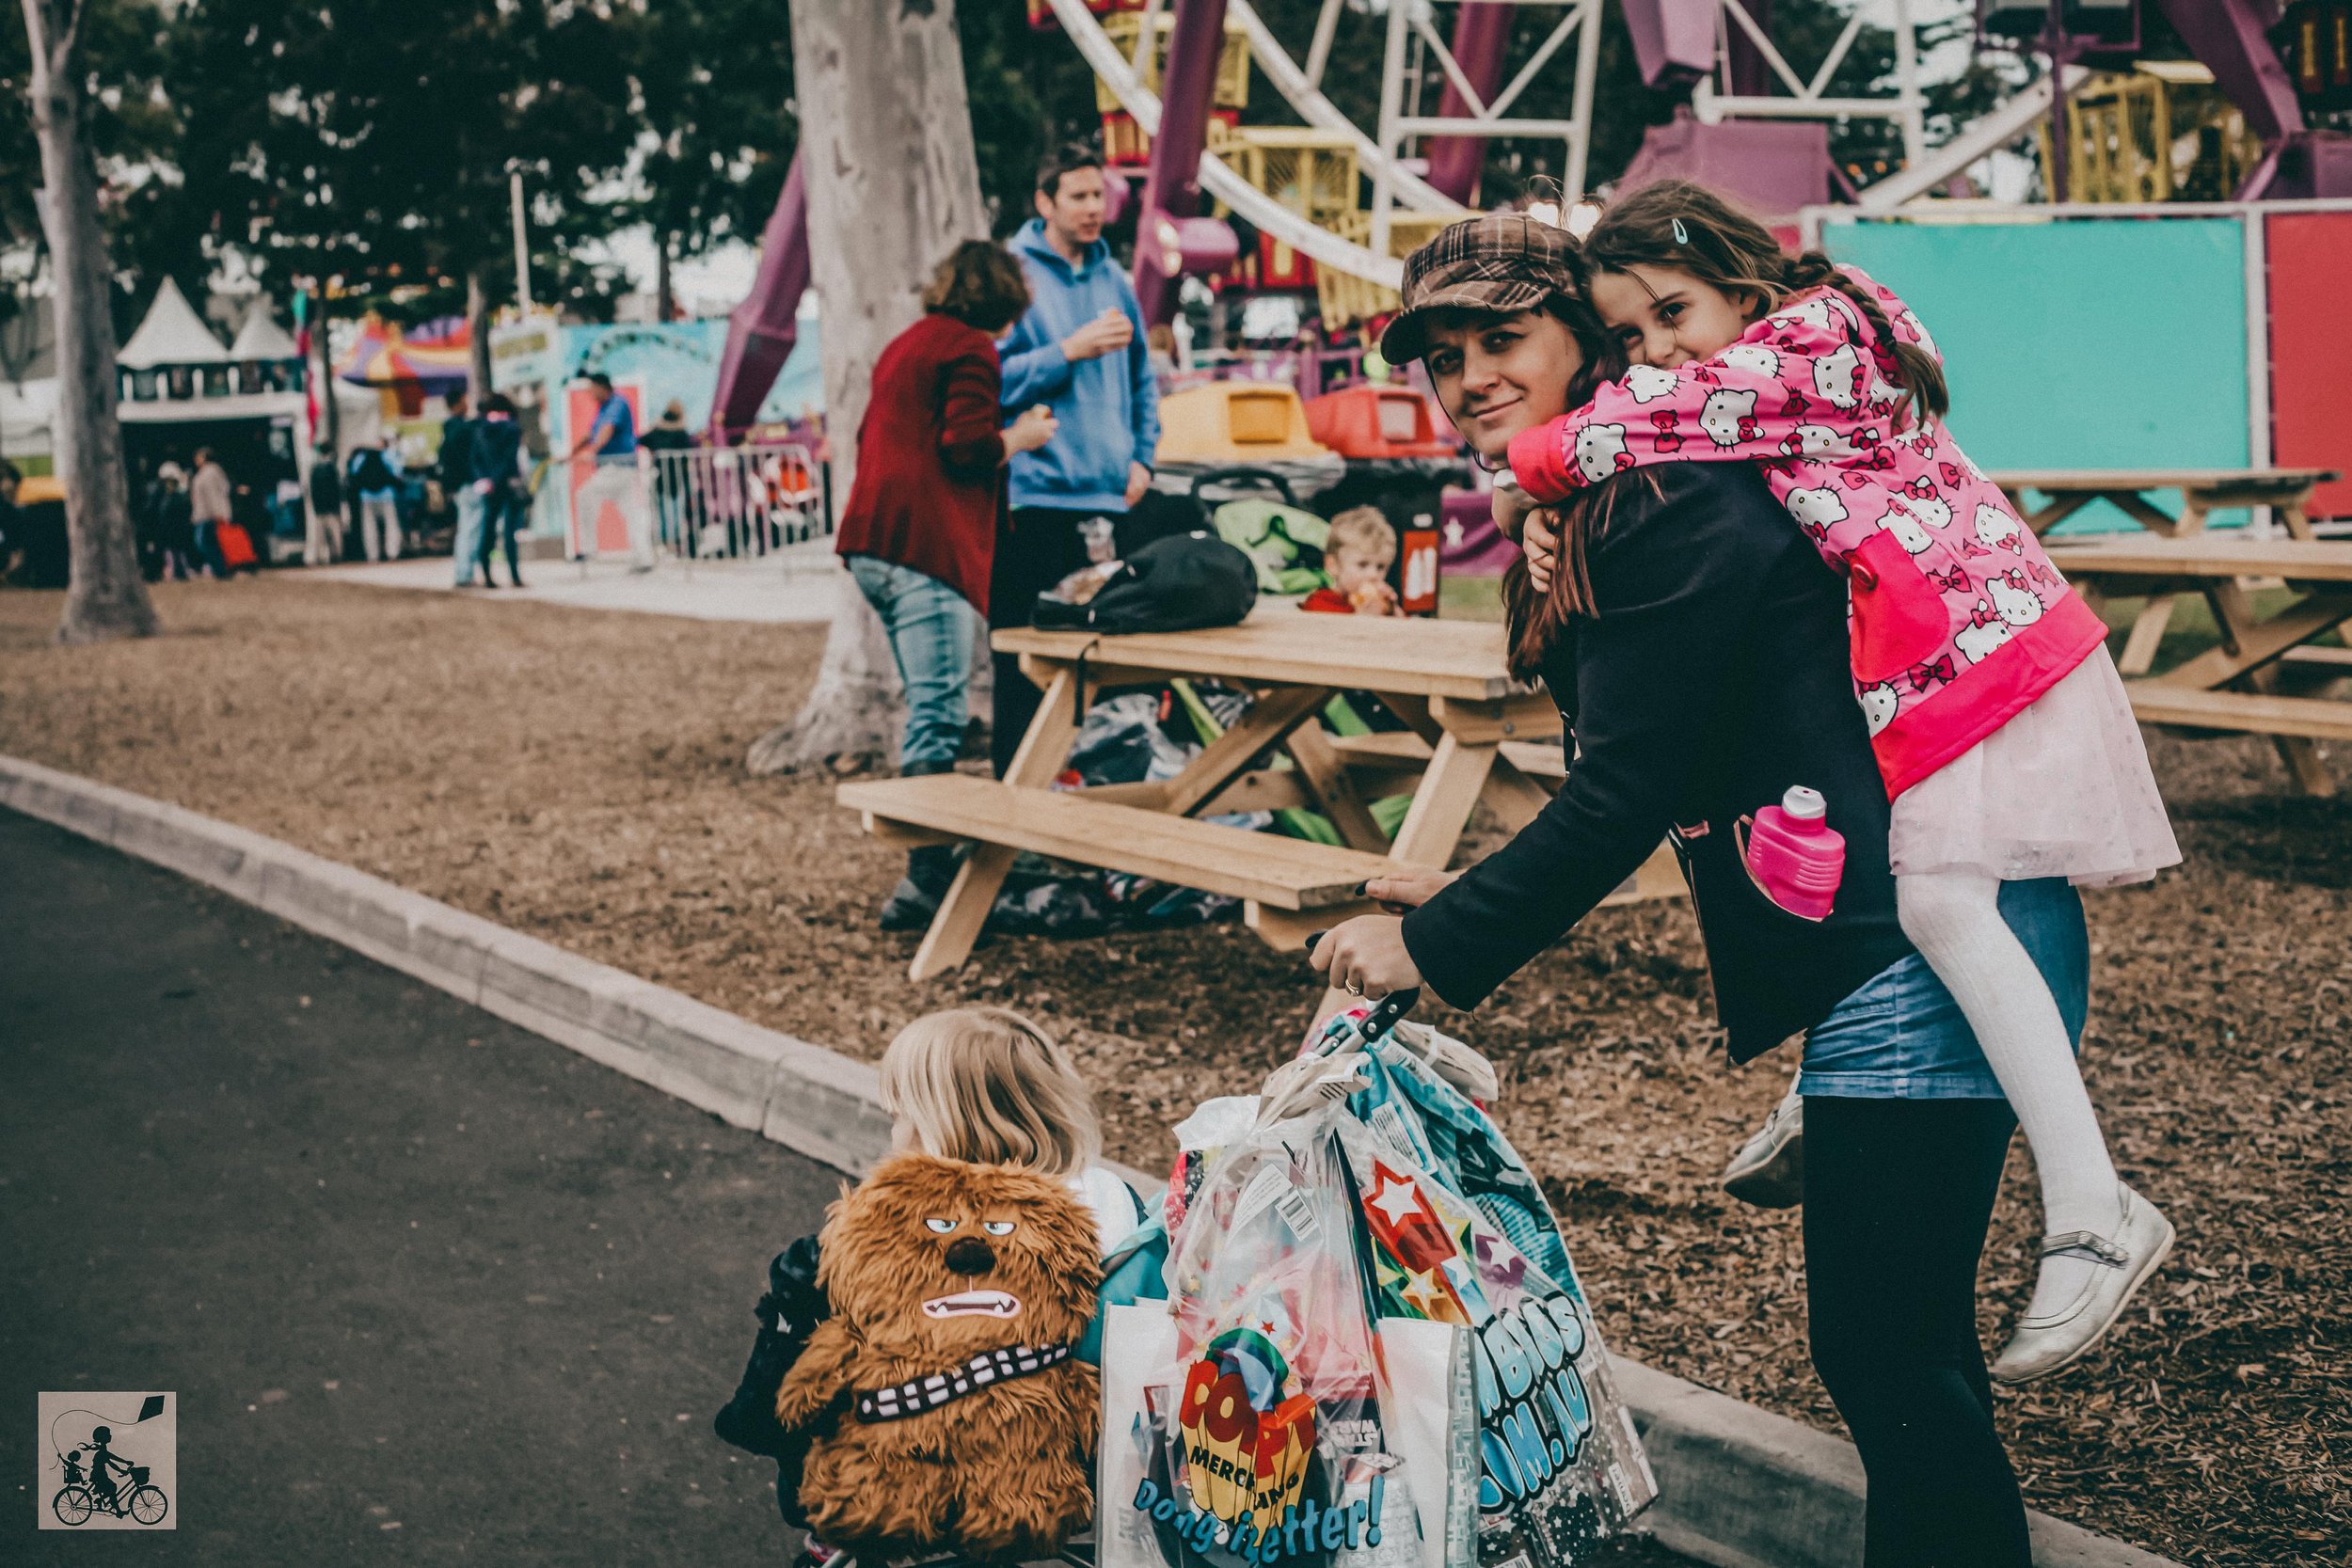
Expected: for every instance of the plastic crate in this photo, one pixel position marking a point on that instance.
(1233, 60)
(1235, 422)
(1378, 422)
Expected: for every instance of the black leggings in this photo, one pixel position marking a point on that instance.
(1897, 1194)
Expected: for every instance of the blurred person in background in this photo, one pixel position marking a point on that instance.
(1080, 350)
(669, 434)
(920, 532)
(376, 483)
(611, 444)
(500, 484)
(210, 504)
(167, 536)
(453, 468)
(328, 525)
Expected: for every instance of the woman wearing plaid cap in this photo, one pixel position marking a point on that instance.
(1696, 643)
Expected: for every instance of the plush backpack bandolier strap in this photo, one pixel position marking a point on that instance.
(919, 1394)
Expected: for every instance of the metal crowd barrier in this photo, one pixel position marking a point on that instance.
(701, 503)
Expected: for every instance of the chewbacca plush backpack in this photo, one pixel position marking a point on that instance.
(960, 1418)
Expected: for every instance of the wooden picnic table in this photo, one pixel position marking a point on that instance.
(2286, 491)
(2236, 685)
(1473, 736)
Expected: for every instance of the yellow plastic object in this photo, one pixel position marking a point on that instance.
(1233, 60)
(2160, 132)
(1235, 422)
(1344, 298)
(1312, 172)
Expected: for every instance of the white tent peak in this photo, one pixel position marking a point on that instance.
(173, 334)
(261, 337)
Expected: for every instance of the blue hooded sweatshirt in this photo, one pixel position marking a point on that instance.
(1109, 407)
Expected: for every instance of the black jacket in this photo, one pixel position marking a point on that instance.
(454, 465)
(1714, 676)
(497, 446)
(787, 1315)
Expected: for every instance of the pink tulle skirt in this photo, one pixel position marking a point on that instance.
(2063, 789)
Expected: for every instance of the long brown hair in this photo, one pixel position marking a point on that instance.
(1533, 621)
(1687, 227)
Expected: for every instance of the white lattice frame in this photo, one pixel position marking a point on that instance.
(1580, 19)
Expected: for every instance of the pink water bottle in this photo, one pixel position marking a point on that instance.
(1795, 855)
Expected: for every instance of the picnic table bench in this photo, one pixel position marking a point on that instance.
(1473, 736)
(2286, 491)
(2235, 686)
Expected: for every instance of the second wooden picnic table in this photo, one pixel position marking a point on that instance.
(1473, 735)
(2236, 685)
(2286, 491)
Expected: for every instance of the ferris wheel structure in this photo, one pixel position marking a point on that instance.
(1692, 42)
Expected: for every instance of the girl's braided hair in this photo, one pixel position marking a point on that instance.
(1686, 227)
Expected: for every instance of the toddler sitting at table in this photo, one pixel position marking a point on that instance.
(1357, 556)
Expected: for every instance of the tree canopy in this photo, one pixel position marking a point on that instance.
(372, 140)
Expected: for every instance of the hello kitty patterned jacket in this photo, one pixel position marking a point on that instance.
(1958, 620)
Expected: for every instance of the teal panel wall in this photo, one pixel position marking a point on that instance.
(2093, 343)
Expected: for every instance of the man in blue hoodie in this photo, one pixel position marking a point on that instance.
(1080, 351)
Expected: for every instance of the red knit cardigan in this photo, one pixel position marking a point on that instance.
(931, 458)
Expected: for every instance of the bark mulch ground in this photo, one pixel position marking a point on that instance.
(577, 775)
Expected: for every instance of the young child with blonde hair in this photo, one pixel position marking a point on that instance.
(1357, 555)
(986, 1085)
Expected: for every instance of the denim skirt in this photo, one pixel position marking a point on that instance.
(1901, 1037)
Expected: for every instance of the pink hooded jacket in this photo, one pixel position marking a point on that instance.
(1958, 621)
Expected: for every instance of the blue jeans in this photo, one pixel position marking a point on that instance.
(1902, 1036)
(932, 628)
(472, 508)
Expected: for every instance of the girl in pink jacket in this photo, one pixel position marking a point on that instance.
(2001, 728)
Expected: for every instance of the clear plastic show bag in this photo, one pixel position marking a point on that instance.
(1256, 1418)
(1459, 1233)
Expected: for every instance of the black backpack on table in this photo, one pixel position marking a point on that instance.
(1179, 583)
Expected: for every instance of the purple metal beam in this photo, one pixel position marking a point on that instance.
(2228, 37)
(1673, 40)
(1750, 77)
(1480, 33)
(1188, 87)
(762, 329)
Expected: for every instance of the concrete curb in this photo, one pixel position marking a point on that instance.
(1742, 1488)
(816, 1101)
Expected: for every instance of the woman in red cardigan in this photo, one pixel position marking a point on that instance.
(919, 532)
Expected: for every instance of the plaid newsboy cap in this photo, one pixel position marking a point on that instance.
(1502, 261)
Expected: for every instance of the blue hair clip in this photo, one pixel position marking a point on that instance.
(1682, 235)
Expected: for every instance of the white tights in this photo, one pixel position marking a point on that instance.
(1955, 921)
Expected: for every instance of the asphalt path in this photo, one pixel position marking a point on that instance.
(429, 1288)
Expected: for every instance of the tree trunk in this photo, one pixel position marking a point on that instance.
(478, 331)
(664, 308)
(893, 184)
(107, 597)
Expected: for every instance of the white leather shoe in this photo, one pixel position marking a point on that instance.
(2045, 1344)
(1769, 1170)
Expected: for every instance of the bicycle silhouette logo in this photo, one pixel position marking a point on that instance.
(113, 1460)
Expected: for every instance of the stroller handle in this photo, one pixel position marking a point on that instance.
(1388, 1011)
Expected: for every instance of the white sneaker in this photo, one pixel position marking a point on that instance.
(1769, 1170)
(2045, 1344)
